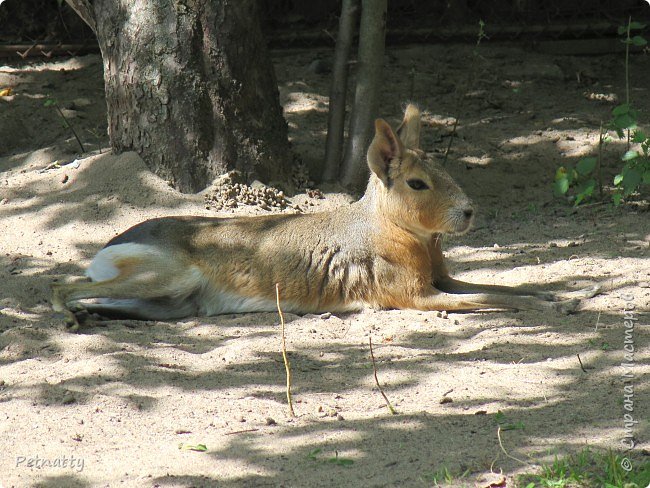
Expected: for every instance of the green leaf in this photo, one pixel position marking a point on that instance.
(620, 133)
(560, 173)
(530, 485)
(639, 136)
(636, 26)
(607, 138)
(618, 179)
(639, 41)
(617, 197)
(622, 29)
(49, 103)
(621, 109)
(587, 188)
(630, 155)
(192, 447)
(561, 186)
(314, 453)
(586, 165)
(584, 191)
(646, 177)
(341, 461)
(624, 121)
(631, 181)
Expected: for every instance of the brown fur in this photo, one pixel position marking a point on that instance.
(383, 251)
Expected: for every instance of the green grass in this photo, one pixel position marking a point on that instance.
(591, 469)
(442, 477)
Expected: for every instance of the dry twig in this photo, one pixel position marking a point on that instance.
(287, 365)
(374, 369)
(506, 452)
(581, 366)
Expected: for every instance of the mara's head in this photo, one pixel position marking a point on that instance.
(412, 189)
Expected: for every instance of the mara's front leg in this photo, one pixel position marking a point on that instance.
(436, 300)
(448, 284)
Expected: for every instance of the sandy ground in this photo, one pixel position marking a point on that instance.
(109, 406)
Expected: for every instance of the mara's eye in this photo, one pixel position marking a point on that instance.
(417, 184)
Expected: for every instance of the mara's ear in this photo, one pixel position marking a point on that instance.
(384, 148)
(409, 129)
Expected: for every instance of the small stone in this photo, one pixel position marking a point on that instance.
(270, 421)
(339, 417)
(325, 315)
(240, 418)
(644, 284)
(445, 399)
(553, 244)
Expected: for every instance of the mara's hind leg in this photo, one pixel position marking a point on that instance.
(145, 282)
(165, 308)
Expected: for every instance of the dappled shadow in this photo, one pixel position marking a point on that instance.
(131, 369)
(76, 84)
(63, 481)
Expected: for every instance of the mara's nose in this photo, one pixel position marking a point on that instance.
(468, 212)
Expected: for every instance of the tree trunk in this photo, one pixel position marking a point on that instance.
(191, 88)
(339, 89)
(372, 37)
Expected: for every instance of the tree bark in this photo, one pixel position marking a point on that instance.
(191, 88)
(372, 37)
(339, 89)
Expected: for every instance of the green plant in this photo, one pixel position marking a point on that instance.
(443, 476)
(503, 422)
(586, 176)
(590, 468)
(192, 447)
(314, 455)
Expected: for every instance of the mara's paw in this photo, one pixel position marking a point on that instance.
(547, 296)
(584, 293)
(73, 316)
(567, 307)
(70, 321)
(588, 292)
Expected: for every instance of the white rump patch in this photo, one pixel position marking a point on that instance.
(103, 266)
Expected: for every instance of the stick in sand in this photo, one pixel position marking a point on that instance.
(374, 369)
(287, 366)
